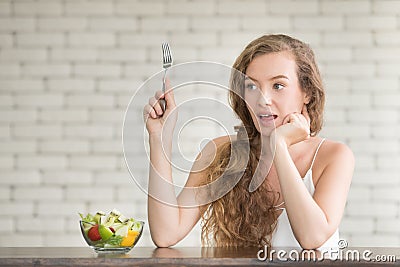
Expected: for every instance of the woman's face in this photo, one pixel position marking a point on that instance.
(272, 90)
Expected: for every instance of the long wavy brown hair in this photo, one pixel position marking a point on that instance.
(240, 217)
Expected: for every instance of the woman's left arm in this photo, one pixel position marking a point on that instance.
(313, 218)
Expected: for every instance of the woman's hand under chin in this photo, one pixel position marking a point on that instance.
(294, 129)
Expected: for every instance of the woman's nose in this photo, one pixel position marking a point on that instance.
(265, 98)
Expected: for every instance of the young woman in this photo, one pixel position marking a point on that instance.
(300, 198)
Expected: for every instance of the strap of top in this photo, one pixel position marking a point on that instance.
(279, 206)
(316, 152)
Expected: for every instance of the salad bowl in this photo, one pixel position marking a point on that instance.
(110, 234)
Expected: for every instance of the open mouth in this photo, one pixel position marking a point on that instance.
(268, 116)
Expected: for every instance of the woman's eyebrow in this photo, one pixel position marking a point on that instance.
(247, 77)
(279, 77)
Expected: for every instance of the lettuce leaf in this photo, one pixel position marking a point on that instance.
(115, 240)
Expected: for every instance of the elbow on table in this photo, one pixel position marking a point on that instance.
(164, 242)
(312, 242)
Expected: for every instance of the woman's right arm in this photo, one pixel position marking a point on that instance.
(168, 221)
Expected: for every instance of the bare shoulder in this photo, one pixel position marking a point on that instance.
(334, 151)
(212, 146)
(223, 139)
(333, 157)
(209, 152)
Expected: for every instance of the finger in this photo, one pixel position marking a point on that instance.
(289, 118)
(302, 122)
(169, 95)
(159, 95)
(156, 105)
(148, 110)
(170, 99)
(295, 118)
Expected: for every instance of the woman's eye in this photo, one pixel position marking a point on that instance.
(278, 86)
(251, 86)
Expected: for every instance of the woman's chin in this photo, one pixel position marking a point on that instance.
(265, 128)
(266, 132)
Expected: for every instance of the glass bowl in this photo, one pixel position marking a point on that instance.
(102, 247)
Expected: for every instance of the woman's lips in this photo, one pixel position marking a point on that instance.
(267, 120)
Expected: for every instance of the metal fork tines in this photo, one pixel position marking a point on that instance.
(167, 56)
(167, 62)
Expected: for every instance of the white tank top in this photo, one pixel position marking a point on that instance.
(283, 235)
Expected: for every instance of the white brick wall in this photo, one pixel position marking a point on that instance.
(68, 69)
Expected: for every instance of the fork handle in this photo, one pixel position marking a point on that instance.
(163, 103)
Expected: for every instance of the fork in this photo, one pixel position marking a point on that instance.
(167, 62)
